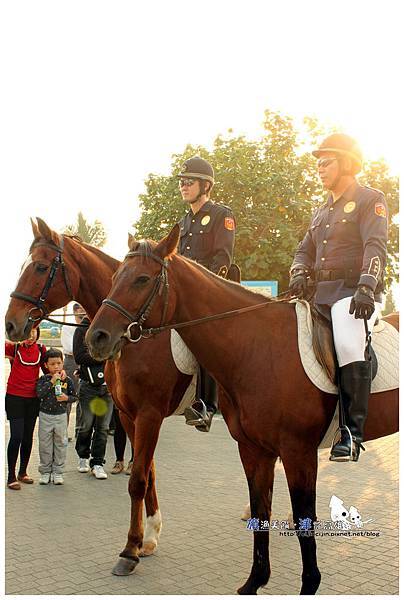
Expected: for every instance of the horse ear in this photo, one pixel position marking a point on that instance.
(168, 245)
(130, 240)
(46, 232)
(35, 229)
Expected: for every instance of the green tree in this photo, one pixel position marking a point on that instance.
(90, 233)
(271, 185)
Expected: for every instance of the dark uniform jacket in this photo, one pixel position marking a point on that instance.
(208, 237)
(346, 244)
(91, 370)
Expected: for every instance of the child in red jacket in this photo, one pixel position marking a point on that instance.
(22, 404)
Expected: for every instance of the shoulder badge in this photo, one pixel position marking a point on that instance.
(205, 220)
(229, 223)
(380, 209)
(349, 207)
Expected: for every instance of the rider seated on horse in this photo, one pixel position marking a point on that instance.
(207, 236)
(344, 250)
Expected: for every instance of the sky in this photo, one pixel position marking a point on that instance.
(96, 95)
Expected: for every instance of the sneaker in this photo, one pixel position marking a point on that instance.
(44, 479)
(117, 468)
(58, 479)
(83, 465)
(98, 472)
(128, 470)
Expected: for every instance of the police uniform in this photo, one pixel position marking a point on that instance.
(208, 237)
(346, 246)
(345, 251)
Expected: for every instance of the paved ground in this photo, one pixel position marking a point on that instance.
(65, 539)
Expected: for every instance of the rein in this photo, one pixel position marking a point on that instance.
(39, 303)
(142, 314)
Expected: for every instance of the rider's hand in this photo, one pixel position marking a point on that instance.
(298, 283)
(362, 303)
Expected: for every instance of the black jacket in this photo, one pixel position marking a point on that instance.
(91, 370)
(348, 236)
(208, 237)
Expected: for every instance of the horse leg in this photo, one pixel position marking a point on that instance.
(153, 516)
(300, 464)
(144, 443)
(259, 470)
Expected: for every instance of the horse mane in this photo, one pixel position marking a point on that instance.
(146, 247)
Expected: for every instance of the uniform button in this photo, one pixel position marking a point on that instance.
(344, 220)
(323, 259)
(201, 231)
(193, 221)
(324, 241)
(332, 208)
(190, 234)
(327, 225)
(188, 247)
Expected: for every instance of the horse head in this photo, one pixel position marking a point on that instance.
(43, 284)
(139, 294)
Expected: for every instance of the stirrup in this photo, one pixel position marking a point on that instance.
(346, 457)
(196, 417)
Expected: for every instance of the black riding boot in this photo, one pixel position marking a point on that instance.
(355, 381)
(200, 414)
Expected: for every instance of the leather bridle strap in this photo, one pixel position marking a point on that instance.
(57, 262)
(160, 283)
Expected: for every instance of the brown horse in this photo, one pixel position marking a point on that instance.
(270, 406)
(144, 390)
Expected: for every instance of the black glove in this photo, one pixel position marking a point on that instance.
(298, 283)
(362, 303)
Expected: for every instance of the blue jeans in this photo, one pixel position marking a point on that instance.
(93, 427)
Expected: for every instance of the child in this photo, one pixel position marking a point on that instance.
(22, 404)
(52, 429)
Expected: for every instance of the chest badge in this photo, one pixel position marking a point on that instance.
(349, 207)
(205, 220)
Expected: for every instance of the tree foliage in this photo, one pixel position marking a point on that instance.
(91, 233)
(271, 184)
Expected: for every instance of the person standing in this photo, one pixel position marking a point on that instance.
(55, 391)
(345, 250)
(95, 407)
(22, 404)
(70, 366)
(207, 234)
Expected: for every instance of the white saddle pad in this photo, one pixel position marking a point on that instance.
(385, 342)
(186, 363)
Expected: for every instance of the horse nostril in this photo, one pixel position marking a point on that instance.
(10, 327)
(100, 337)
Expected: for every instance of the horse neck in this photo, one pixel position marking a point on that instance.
(208, 295)
(94, 269)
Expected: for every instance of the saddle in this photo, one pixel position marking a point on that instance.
(323, 343)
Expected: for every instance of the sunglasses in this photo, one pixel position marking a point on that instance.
(186, 182)
(324, 162)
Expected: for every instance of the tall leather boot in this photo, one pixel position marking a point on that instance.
(355, 381)
(200, 414)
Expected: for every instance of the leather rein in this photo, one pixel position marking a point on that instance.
(40, 303)
(161, 286)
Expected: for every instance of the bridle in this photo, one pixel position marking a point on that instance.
(39, 303)
(160, 284)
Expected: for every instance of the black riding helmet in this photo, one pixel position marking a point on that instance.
(342, 145)
(199, 168)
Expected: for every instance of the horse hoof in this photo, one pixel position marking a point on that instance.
(124, 566)
(246, 590)
(147, 549)
(246, 513)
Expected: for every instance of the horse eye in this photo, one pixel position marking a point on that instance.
(142, 279)
(41, 268)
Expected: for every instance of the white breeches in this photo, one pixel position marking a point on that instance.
(349, 333)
